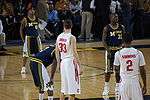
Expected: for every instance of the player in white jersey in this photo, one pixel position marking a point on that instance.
(130, 62)
(68, 61)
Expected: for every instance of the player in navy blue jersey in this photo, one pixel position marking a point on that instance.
(29, 35)
(112, 41)
(38, 64)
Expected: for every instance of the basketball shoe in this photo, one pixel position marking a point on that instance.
(117, 92)
(23, 70)
(106, 90)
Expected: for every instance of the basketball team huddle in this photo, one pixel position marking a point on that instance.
(121, 58)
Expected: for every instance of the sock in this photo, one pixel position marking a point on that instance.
(41, 96)
(106, 83)
(50, 97)
(117, 84)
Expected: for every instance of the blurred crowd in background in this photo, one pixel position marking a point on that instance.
(133, 14)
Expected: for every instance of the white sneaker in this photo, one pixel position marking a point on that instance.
(23, 70)
(24, 76)
(106, 90)
(117, 93)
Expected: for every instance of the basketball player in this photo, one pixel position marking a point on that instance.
(68, 62)
(30, 36)
(131, 63)
(112, 41)
(2, 37)
(38, 64)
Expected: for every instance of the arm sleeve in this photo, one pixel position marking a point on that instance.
(80, 5)
(92, 5)
(116, 59)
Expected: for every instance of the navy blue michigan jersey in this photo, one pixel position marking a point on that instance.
(114, 36)
(31, 28)
(45, 57)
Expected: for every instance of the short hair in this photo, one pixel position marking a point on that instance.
(67, 24)
(127, 38)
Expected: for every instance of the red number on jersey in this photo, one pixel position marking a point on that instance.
(62, 47)
(129, 65)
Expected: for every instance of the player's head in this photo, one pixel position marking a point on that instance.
(114, 18)
(50, 5)
(67, 24)
(127, 38)
(30, 9)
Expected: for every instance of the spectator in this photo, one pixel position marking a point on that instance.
(75, 10)
(147, 6)
(128, 15)
(62, 5)
(53, 20)
(52, 14)
(87, 7)
(101, 17)
(74, 6)
(115, 6)
(41, 10)
(138, 18)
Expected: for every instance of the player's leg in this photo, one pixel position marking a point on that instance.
(62, 96)
(2, 41)
(31, 47)
(73, 78)
(23, 70)
(42, 81)
(53, 69)
(50, 90)
(117, 74)
(48, 84)
(64, 83)
(41, 95)
(25, 54)
(72, 97)
(136, 90)
(107, 74)
(35, 73)
(124, 91)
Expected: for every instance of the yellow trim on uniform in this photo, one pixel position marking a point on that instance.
(36, 60)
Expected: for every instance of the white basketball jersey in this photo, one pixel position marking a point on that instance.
(64, 45)
(129, 60)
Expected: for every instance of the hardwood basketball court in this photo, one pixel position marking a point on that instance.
(14, 86)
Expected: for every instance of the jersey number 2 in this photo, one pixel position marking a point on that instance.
(62, 47)
(129, 65)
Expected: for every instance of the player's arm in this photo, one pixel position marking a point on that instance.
(116, 62)
(74, 45)
(142, 71)
(42, 26)
(123, 28)
(124, 31)
(22, 27)
(53, 67)
(104, 38)
(57, 54)
(143, 76)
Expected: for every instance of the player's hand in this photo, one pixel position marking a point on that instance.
(144, 90)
